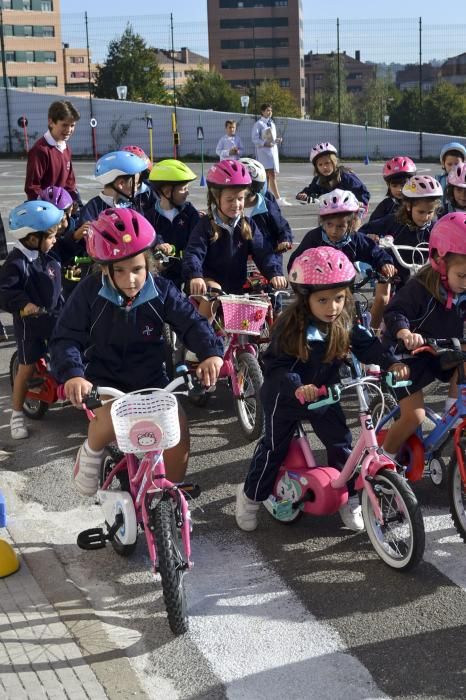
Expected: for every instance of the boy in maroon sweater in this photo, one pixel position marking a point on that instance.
(49, 160)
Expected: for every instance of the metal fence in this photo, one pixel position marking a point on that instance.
(390, 45)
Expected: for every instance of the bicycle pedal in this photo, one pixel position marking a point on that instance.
(94, 538)
(194, 490)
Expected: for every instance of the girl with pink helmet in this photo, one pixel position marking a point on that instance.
(396, 172)
(338, 214)
(431, 305)
(111, 333)
(455, 195)
(330, 175)
(219, 245)
(309, 342)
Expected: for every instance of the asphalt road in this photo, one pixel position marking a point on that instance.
(301, 611)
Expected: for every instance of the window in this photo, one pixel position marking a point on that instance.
(29, 56)
(27, 30)
(76, 59)
(250, 43)
(46, 6)
(7, 30)
(247, 23)
(45, 31)
(51, 81)
(284, 82)
(79, 74)
(258, 63)
(27, 5)
(6, 4)
(10, 56)
(252, 3)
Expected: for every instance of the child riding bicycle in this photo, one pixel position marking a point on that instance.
(111, 334)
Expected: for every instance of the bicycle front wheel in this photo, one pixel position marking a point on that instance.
(248, 404)
(457, 497)
(400, 540)
(32, 408)
(171, 565)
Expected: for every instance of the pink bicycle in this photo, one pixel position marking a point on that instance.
(135, 494)
(392, 515)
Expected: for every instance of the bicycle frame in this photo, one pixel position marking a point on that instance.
(366, 453)
(147, 478)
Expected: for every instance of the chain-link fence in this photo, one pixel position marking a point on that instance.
(389, 74)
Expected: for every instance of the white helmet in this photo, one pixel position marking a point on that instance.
(256, 169)
(338, 202)
(321, 149)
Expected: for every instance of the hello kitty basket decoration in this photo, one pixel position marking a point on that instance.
(243, 314)
(146, 421)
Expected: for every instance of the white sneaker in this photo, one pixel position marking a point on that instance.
(351, 514)
(86, 471)
(245, 510)
(18, 428)
(282, 202)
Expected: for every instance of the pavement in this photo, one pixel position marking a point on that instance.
(54, 641)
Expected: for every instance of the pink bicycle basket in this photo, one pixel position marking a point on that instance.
(241, 314)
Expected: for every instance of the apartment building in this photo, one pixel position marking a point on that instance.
(178, 65)
(251, 41)
(76, 68)
(33, 48)
(317, 66)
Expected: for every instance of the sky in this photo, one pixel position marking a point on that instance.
(382, 31)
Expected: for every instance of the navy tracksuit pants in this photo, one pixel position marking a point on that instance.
(281, 418)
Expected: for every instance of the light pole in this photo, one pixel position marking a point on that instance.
(366, 159)
(244, 102)
(122, 92)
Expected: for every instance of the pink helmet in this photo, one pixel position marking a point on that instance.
(457, 175)
(229, 173)
(320, 149)
(448, 235)
(140, 153)
(119, 234)
(57, 196)
(422, 186)
(321, 268)
(338, 202)
(399, 165)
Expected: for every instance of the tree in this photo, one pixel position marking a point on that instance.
(130, 62)
(325, 102)
(208, 90)
(444, 110)
(405, 115)
(378, 100)
(283, 101)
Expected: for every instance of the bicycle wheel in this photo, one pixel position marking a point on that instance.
(400, 541)
(375, 407)
(119, 483)
(457, 497)
(171, 565)
(32, 408)
(248, 405)
(171, 349)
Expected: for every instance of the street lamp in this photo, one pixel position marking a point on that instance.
(122, 91)
(244, 102)
(386, 119)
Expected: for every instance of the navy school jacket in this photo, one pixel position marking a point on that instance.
(175, 232)
(349, 181)
(225, 260)
(388, 205)
(283, 373)
(96, 339)
(358, 248)
(270, 221)
(413, 307)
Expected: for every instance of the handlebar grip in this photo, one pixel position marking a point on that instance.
(332, 393)
(394, 384)
(42, 311)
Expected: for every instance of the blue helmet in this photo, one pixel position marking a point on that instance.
(452, 146)
(116, 163)
(33, 216)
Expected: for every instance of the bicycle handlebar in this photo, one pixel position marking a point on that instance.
(388, 243)
(333, 392)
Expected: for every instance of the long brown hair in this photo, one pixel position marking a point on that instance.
(430, 278)
(290, 329)
(213, 199)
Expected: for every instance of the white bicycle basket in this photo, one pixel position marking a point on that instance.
(242, 314)
(145, 422)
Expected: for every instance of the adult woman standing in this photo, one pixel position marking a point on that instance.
(264, 138)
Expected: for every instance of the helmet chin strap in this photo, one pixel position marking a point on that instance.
(127, 301)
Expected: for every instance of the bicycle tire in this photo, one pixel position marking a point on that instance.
(399, 509)
(375, 407)
(457, 497)
(248, 405)
(171, 565)
(32, 408)
(169, 339)
(111, 457)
